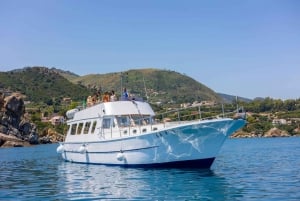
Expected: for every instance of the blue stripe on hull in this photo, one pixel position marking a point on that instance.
(199, 163)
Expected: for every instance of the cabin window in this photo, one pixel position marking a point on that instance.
(79, 129)
(73, 129)
(86, 127)
(147, 120)
(123, 121)
(135, 120)
(106, 123)
(140, 119)
(94, 127)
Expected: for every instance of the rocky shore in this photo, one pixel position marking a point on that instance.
(15, 129)
(273, 132)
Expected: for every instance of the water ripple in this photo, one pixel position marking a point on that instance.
(246, 169)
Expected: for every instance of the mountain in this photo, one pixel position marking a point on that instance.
(66, 74)
(41, 84)
(153, 84)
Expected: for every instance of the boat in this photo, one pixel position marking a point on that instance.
(128, 133)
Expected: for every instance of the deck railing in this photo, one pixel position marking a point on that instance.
(177, 116)
(196, 113)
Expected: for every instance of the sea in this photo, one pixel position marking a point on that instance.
(245, 169)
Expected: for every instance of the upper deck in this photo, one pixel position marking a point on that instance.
(114, 108)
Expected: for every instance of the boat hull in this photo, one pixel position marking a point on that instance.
(199, 163)
(190, 145)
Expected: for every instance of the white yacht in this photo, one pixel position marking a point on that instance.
(128, 133)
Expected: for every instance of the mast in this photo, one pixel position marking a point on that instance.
(237, 105)
(121, 77)
(145, 88)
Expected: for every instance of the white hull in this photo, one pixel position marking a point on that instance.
(194, 144)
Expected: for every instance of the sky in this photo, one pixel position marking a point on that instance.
(247, 48)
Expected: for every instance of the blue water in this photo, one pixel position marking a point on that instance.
(246, 169)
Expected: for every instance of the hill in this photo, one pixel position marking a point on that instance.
(66, 74)
(152, 84)
(41, 84)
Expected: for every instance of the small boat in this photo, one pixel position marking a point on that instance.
(129, 133)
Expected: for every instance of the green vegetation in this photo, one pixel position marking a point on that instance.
(50, 86)
(42, 85)
(268, 113)
(152, 84)
(46, 89)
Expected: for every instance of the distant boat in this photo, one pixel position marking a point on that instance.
(127, 133)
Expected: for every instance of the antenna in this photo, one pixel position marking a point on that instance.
(145, 88)
(237, 104)
(121, 77)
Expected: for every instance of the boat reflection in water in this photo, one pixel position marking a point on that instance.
(106, 182)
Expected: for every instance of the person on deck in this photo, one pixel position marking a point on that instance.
(113, 96)
(106, 97)
(125, 94)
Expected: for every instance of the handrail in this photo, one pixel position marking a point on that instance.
(177, 117)
(198, 112)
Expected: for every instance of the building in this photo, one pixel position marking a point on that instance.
(57, 120)
(279, 122)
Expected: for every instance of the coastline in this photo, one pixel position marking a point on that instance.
(273, 132)
(8, 141)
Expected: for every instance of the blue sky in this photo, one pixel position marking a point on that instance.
(238, 47)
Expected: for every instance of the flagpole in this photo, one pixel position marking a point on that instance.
(237, 105)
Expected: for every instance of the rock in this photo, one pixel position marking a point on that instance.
(3, 129)
(25, 127)
(14, 144)
(15, 105)
(33, 138)
(297, 130)
(1, 142)
(45, 140)
(13, 123)
(15, 109)
(275, 132)
(14, 131)
(11, 141)
(52, 135)
(1, 100)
